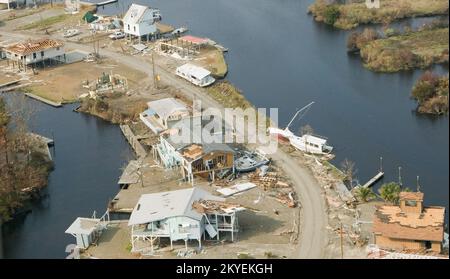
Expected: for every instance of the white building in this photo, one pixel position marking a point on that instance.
(71, 6)
(34, 51)
(161, 113)
(186, 214)
(7, 2)
(141, 21)
(195, 74)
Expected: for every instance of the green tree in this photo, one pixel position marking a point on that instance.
(331, 14)
(390, 192)
(365, 194)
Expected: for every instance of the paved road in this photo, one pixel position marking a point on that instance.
(313, 219)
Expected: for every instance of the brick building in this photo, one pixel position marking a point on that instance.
(409, 226)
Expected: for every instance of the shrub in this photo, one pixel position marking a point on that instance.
(331, 14)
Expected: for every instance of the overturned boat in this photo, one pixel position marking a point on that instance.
(307, 143)
(250, 161)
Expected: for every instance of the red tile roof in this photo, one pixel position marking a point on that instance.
(31, 46)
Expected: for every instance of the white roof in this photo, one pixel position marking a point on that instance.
(165, 107)
(83, 226)
(193, 70)
(159, 206)
(135, 13)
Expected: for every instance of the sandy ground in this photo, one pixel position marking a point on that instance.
(63, 83)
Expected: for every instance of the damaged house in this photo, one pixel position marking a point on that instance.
(187, 214)
(195, 145)
(31, 52)
(161, 113)
(410, 226)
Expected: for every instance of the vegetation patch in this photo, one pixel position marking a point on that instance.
(431, 93)
(350, 15)
(419, 49)
(46, 22)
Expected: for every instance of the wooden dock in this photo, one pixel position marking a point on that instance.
(133, 140)
(374, 179)
(48, 102)
(9, 83)
(103, 3)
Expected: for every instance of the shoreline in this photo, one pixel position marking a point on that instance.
(309, 190)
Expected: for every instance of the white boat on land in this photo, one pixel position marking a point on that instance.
(195, 74)
(179, 31)
(71, 33)
(307, 143)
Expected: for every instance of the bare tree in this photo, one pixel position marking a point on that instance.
(306, 130)
(349, 170)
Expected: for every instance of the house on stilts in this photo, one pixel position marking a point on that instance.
(196, 146)
(187, 214)
(32, 52)
(140, 22)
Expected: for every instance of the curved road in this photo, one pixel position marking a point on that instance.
(313, 218)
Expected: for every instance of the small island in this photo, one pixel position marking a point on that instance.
(431, 93)
(354, 13)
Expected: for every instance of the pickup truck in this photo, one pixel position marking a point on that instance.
(117, 35)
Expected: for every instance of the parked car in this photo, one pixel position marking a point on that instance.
(117, 35)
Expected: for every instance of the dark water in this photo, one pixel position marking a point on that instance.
(281, 58)
(89, 153)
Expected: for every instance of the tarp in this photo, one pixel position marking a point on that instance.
(89, 17)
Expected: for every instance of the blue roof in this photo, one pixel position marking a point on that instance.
(149, 111)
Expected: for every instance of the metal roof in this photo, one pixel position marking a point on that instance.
(83, 226)
(166, 107)
(135, 13)
(193, 39)
(196, 71)
(196, 135)
(159, 206)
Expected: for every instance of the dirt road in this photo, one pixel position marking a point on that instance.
(313, 220)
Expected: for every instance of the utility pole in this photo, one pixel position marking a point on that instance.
(418, 184)
(400, 177)
(155, 77)
(342, 243)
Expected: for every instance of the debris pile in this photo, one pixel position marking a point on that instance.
(270, 181)
(210, 206)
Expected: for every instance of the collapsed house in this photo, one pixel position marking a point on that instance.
(161, 113)
(187, 214)
(109, 83)
(31, 52)
(197, 150)
(185, 46)
(410, 226)
(140, 21)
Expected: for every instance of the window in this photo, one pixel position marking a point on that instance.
(128, 27)
(134, 28)
(34, 55)
(58, 48)
(42, 54)
(411, 203)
